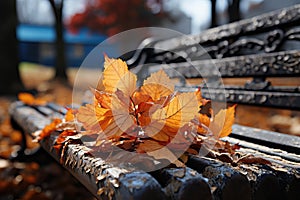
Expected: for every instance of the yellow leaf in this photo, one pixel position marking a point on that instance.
(100, 85)
(181, 110)
(204, 120)
(221, 126)
(113, 76)
(127, 84)
(158, 85)
(103, 98)
(166, 121)
(122, 119)
(157, 131)
(90, 115)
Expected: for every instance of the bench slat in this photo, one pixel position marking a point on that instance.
(279, 64)
(275, 99)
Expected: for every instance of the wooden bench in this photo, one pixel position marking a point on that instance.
(236, 52)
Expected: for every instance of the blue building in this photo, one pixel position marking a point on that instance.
(37, 44)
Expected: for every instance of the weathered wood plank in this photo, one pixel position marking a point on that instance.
(272, 139)
(183, 183)
(226, 182)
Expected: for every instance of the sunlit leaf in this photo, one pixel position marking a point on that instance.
(103, 98)
(182, 109)
(127, 84)
(116, 75)
(158, 85)
(121, 118)
(90, 116)
(221, 125)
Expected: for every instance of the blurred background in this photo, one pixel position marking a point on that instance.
(44, 42)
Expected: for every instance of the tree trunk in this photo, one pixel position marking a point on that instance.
(234, 10)
(10, 82)
(60, 62)
(213, 21)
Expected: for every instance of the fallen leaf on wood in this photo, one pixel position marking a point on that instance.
(30, 100)
(251, 159)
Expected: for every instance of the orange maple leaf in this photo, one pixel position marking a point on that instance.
(69, 115)
(48, 129)
(29, 99)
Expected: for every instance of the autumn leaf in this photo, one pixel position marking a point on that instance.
(48, 129)
(103, 98)
(158, 85)
(251, 159)
(62, 138)
(127, 84)
(121, 118)
(221, 126)
(91, 116)
(69, 115)
(166, 121)
(166, 153)
(29, 99)
(149, 145)
(181, 110)
(140, 97)
(117, 76)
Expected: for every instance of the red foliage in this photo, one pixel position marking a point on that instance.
(113, 16)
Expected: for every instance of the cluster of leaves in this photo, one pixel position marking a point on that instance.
(152, 116)
(144, 120)
(112, 16)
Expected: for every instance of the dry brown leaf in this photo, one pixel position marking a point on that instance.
(148, 145)
(165, 153)
(250, 159)
(221, 125)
